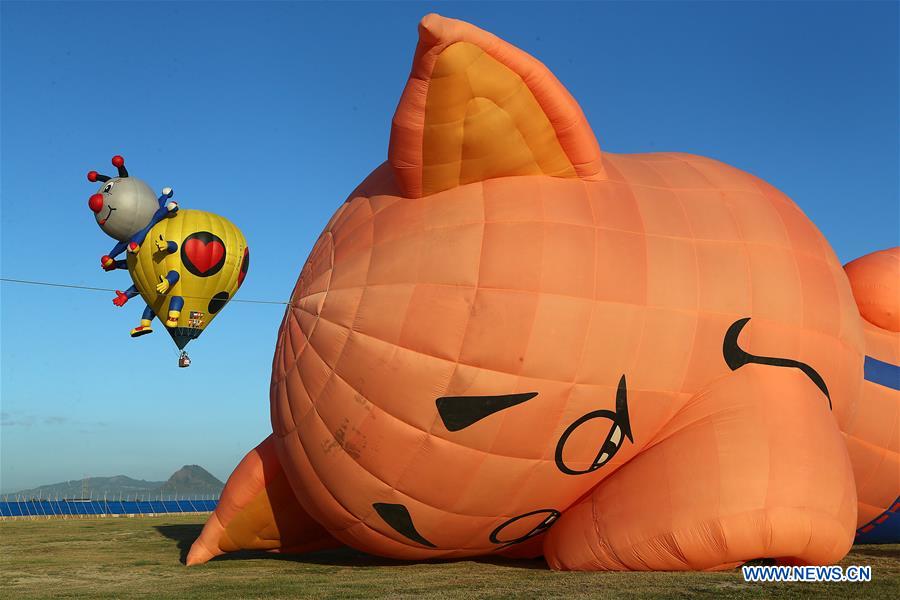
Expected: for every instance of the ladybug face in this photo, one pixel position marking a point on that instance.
(122, 206)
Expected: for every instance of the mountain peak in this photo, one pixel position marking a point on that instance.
(193, 478)
(193, 475)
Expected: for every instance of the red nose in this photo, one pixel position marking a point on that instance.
(96, 203)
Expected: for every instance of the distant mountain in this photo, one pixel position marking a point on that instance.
(192, 479)
(188, 481)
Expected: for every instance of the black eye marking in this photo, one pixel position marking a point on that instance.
(550, 519)
(620, 429)
(107, 188)
(458, 412)
(397, 516)
(736, 358)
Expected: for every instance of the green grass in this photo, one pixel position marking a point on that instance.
(143, 558)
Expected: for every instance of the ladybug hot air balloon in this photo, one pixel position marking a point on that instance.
(508, 341)
(185, 264)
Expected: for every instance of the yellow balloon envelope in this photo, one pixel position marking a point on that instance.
(211, 258)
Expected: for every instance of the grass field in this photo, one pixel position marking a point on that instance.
(143, 558)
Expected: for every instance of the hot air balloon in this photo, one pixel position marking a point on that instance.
(506, 341)
(185, 264)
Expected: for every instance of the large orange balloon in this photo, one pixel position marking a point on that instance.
(506, 341)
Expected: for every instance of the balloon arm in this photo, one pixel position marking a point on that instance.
(165, 284)
(161, 213)
(118, 249)
(166, 194)
(169, 247)
(165, 202)
(138, 238)
(123, 297)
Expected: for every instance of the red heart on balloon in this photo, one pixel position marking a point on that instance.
(204, 252)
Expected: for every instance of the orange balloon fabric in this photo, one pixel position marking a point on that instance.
(873, 434)
(506, 341)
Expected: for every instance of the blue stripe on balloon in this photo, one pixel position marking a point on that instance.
(882, 373)
(883, 529)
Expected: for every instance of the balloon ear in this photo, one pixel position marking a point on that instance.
(476, 107)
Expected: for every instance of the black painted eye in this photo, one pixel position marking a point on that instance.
(107, 188)
(619, 428)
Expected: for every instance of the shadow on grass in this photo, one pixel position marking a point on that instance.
(184, 536)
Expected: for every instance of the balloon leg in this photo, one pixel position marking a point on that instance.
(753, 467)
(175, 306)
(146, 319)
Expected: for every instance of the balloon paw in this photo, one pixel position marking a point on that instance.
(140, 330)
(163, 286)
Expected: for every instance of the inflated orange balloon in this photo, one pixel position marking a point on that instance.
(506, 341)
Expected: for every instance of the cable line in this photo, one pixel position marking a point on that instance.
(99, 289)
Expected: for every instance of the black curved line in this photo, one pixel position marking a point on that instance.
(622, 418)
(619, 417)
(459, 412)
(736, 358)
(398, 517)
(104, 221)
(540, 528)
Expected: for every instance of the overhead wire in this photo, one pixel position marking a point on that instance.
(99, 289)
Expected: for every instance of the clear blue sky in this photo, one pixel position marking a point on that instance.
(271, 113)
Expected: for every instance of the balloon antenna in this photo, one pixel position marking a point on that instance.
(94, 176)
(119, 163)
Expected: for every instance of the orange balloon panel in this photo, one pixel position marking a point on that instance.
(873, 435)
(505, 341)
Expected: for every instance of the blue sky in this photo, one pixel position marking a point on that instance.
(271, 113)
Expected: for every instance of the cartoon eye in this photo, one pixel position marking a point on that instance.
(620, 426)
(108, 188)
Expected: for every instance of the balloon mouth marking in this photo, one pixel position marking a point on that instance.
(108, 215)
(398, 517)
